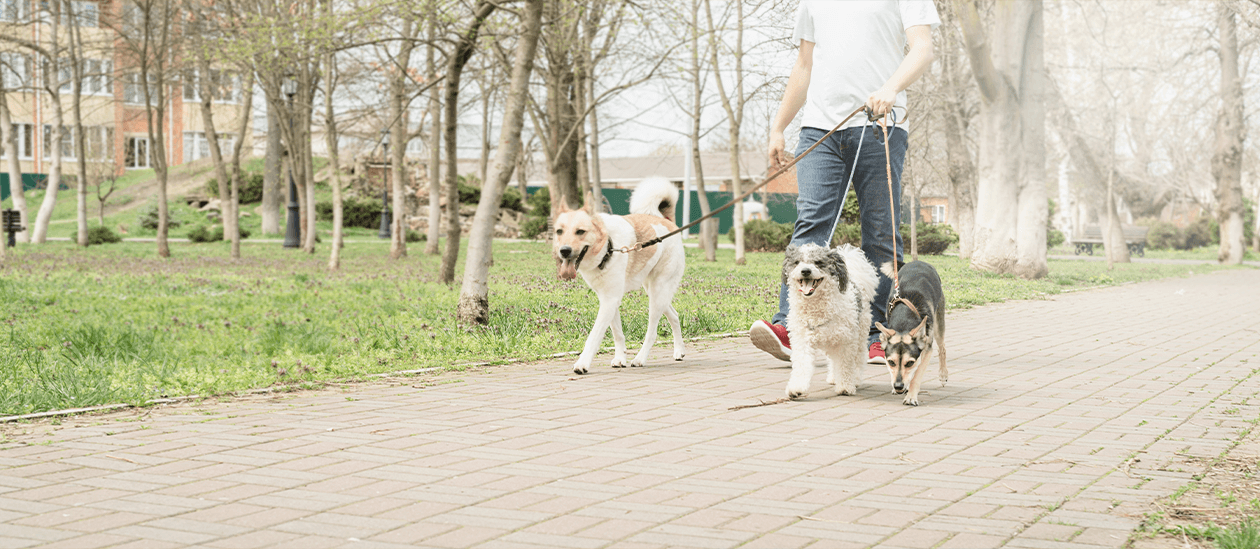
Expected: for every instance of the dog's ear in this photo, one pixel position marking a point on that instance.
(887, 333)
(791, 256)
(588, 203)
(922, 324)
(836, 268)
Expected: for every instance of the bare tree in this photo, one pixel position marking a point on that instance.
(51, 85)
(463, 51)
(733, 103)
(1011, 212)
(14, 165)
(956, 111)
(474, 300)
(1230, 133)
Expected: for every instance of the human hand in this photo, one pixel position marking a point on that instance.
(776, 150)
(881, 101)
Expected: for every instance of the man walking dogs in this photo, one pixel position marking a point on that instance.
(852, 53)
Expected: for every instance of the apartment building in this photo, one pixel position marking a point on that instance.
(113, 97)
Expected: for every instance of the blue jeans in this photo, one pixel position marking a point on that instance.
(821, 178)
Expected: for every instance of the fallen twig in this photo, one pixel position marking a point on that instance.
(760, 403)
(119, 458)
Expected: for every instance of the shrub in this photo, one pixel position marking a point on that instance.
(415, 236)
(1203, 232)
(933, 239)
(1054, 237)
(1164, 236)
(536, 216)
(102, 235)
(512, 200)
(149, 219)
(469, 189)
(846, 233)
(363, 213)
(250, 191)
(762, 235)
(202, 233)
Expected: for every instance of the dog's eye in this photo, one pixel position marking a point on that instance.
(559, 231)
(579, 232)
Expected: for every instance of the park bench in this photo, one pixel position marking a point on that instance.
(1134, 237)
(11, 222)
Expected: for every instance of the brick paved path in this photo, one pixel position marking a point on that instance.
(1052, 433)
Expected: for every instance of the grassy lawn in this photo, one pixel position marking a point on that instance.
(1206, 253)
(117, 324)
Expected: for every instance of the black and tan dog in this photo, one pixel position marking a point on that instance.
(916, 319)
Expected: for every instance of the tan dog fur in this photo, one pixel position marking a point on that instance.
(580, 244)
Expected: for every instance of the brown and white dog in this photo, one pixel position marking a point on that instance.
(584, 244)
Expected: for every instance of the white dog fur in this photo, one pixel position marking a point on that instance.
(830, 293)
(581, 245)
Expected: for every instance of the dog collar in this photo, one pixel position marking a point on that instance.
(893, 304)
(607, 255)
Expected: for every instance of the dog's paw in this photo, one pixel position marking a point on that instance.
(636, 363)
(911, 400)
(679, 354)
(944, 378)
(848, 390)
(793, 395)
(579, 369)
(618, 362)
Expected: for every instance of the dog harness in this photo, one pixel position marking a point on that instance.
(604, 262)
(893, 303)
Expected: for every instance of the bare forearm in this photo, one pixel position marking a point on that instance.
(912, 67)
(797, 88)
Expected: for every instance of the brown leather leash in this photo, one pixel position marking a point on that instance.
(766, 181)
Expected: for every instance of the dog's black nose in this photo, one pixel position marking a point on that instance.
(565, 251)
(805, 272)
(899, 387)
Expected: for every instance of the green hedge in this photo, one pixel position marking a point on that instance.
(250, 191)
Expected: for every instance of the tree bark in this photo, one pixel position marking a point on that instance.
(216, 154)
(435, 143)
(708, 227)
(273, 184)
(244, 120)
(474, 303)
(75, 52)
(459, 58)
(53, 181)
(733, 103)
(16, 190)
(398, 136)
(334, 161)
(955, 118)
(1010, 233)
(1230, 134)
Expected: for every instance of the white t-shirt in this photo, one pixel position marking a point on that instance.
(858, 45)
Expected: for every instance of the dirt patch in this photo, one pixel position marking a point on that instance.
(1223, 496)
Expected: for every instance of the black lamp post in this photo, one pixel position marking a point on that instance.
(292, 227)
(387, 217)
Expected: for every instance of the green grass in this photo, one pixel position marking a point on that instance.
(115, 323)
(1205, 253)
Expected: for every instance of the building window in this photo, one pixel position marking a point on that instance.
(24, 140)
(15, 69)
(100, 142)
(938, 213)
(133, 93)
(15, 11)
(86, 14)
(224, 85)
(65, 142)
(137, 152)
(96, 76)
(197, 146)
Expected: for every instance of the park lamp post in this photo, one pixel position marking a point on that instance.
(292, 229)
(387, 217)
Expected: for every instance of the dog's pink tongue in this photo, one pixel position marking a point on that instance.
(568, 271)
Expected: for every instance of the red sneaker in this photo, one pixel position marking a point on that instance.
(771, 338)
(876, 355)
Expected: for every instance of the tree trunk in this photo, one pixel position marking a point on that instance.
(708, 227)
(398, 102)
(1010, 233)
(463, 51)
(961, 168)
(216, 154)
(334, 162)
(733, 103)
(435, 145)
(1230, 134)
(76, 112)
(914, 220)
(273, 184)
(474, 302)
(16, 190)
(307, 109)
(244, 120)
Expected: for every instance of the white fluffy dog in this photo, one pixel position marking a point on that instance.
(584, 244)
(830, 293)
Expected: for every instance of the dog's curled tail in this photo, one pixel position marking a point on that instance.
(887, 269)
(654, 196)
